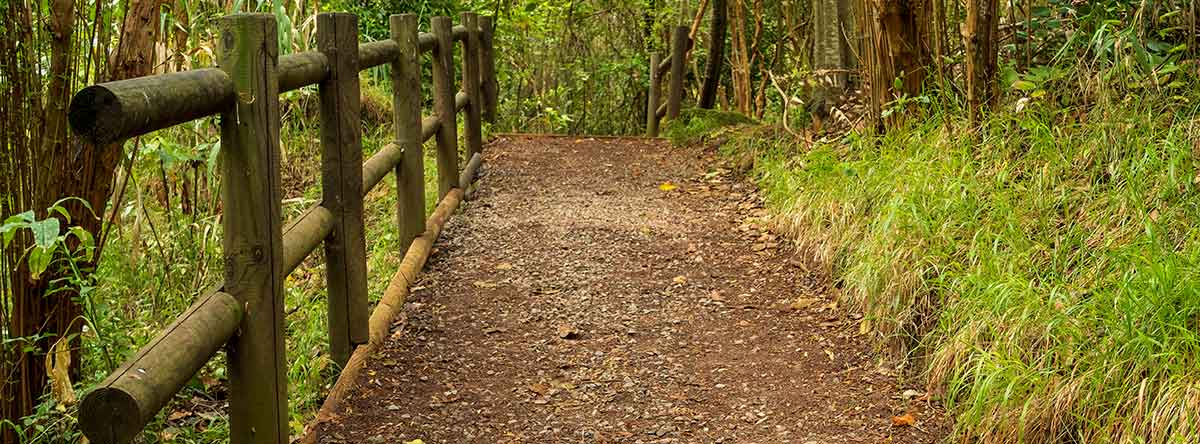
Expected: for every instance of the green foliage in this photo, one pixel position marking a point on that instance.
(373, 15)
(1045, 271)
(694, 124)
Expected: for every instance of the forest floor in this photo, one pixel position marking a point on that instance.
(624, 291)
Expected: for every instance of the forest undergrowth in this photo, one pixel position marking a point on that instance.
(1039, 271)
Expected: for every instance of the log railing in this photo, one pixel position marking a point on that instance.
(245, 313)
(681, 42)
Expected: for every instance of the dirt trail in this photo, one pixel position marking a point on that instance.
(577, 299)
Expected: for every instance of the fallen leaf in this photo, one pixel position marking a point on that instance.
(415, 441)
(540, 389)
(567, 331)
(905, 420)
(910, 394)
(504, 266)
(803, 303)
(864, 327)
(667, 186)
(485, 284)
(679, 280)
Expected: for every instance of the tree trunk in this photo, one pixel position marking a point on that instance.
(716, 56)
(832, 56)
(895, 52)
(43, 164)
(981, 33)
(740, 66)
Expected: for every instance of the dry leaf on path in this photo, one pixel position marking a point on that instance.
(567, 331)
(667, 186)
(905, 420)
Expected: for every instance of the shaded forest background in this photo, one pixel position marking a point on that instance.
(104, 245)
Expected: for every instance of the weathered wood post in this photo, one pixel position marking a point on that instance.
(470, 76)
(678, 48)
(443, 104)
(341, 185)
(487, 63)
(253, 243)
(406, 100)
(652, 98)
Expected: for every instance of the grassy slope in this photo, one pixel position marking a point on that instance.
(1046, 276)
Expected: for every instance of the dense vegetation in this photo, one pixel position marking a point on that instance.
(1028, 250)
(1036, 268)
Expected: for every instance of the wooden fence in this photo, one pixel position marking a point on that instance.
(245, 314)
(680, 44)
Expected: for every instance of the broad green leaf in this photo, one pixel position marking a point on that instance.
(45, 232)
(1024, 85)
(84, 236)
(39, 260)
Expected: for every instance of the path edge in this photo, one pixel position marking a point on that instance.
(391, 303)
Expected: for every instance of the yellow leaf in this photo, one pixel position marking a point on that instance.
(57, 364)
(667, 186)
(415, 441)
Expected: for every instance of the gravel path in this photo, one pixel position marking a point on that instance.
(622, 291)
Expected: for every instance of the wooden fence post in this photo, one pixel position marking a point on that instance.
(443, 104)
(341, 185)
(487, 63)
(470, 75)
(253, 242)
(406, 100)
(652, 98)
(678, 48)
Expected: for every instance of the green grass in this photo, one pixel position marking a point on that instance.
(1045, 276)
(694, 124)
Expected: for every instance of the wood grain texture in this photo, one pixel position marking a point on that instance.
(679, 43)
(118, 408)
(341, 185)
(444, 106)
(489, 86)
(652, 98)
(470, 83)
(406, 100)
(252, 239)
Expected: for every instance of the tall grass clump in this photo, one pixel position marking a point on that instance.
(1043, 269)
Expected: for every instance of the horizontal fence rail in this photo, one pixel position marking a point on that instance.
(244, 314)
